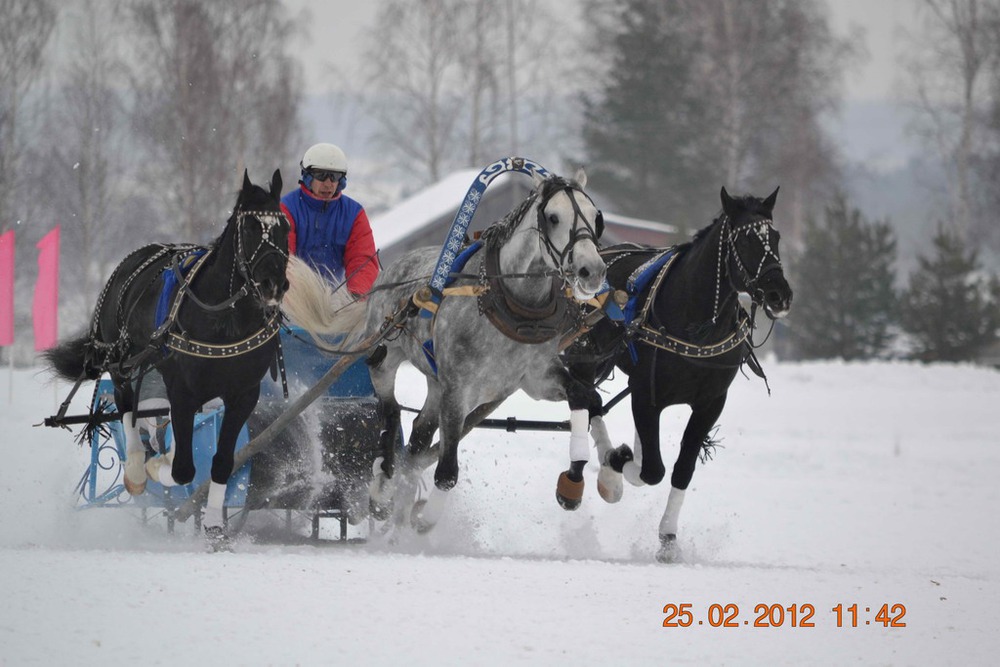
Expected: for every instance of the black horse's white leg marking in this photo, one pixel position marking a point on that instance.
(671, 515)
(670, 551)
(135, 457)
(632, 469)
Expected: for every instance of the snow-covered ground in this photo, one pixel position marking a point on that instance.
(867, 484)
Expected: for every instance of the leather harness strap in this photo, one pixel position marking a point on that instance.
(517, 320)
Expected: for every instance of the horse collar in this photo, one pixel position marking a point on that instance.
(517, 320)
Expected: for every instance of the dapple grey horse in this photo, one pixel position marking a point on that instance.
(527, 260)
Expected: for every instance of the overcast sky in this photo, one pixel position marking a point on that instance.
(334, 31)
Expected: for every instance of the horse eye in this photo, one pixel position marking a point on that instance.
(553, 219)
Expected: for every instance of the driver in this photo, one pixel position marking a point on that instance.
(330, 231)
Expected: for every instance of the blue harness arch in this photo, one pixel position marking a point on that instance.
(456, 237)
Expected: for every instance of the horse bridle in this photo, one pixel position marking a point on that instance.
(769, 261)
(576, 234)
(269, 220)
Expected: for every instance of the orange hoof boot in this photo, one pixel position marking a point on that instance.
(569, 494)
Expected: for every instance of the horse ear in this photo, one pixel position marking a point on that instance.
(772, 198)
(276, 184)
(727, 202)
(246, 180)
(537, 178)
(581, 178)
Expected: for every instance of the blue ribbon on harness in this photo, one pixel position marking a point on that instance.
(169, 284)
(639, 281)
(462, 259)
(634, 286)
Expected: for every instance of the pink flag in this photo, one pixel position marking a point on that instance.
(45, 310)
(7, 288)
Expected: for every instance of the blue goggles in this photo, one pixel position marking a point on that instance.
(323, 175)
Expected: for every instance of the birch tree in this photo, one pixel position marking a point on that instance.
(454, 84)
(216, 92)
(948, 74)
(25, 29)
(88, 132)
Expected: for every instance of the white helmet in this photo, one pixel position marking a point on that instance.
(324, 156)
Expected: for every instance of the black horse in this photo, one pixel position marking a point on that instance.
(687, 337)
(206, 319)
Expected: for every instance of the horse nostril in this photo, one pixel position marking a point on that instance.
(284, 285)
(584, 272)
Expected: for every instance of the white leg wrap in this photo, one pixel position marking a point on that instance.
(434, 509)
(135, 451)
(579, 443)
(164, 475)
(213, 508)
(381, 489)
(133, 441)
(599, 432)
(609, 482)
(633, 468)
(668, 524)
(630, 471)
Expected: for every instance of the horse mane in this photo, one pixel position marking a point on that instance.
(500, 231)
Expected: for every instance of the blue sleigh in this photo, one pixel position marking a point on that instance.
(343, 426)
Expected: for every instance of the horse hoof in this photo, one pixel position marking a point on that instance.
(134, 479)
(418, 522)
(669, 551)
(569, 494)
(609, 485)
(133, 488)
(216, 539)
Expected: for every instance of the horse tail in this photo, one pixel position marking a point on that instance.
(69, 359)
(319, 307)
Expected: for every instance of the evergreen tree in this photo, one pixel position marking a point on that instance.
(950, 308)
(701, 94)
(843, 283)
(647, 134)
